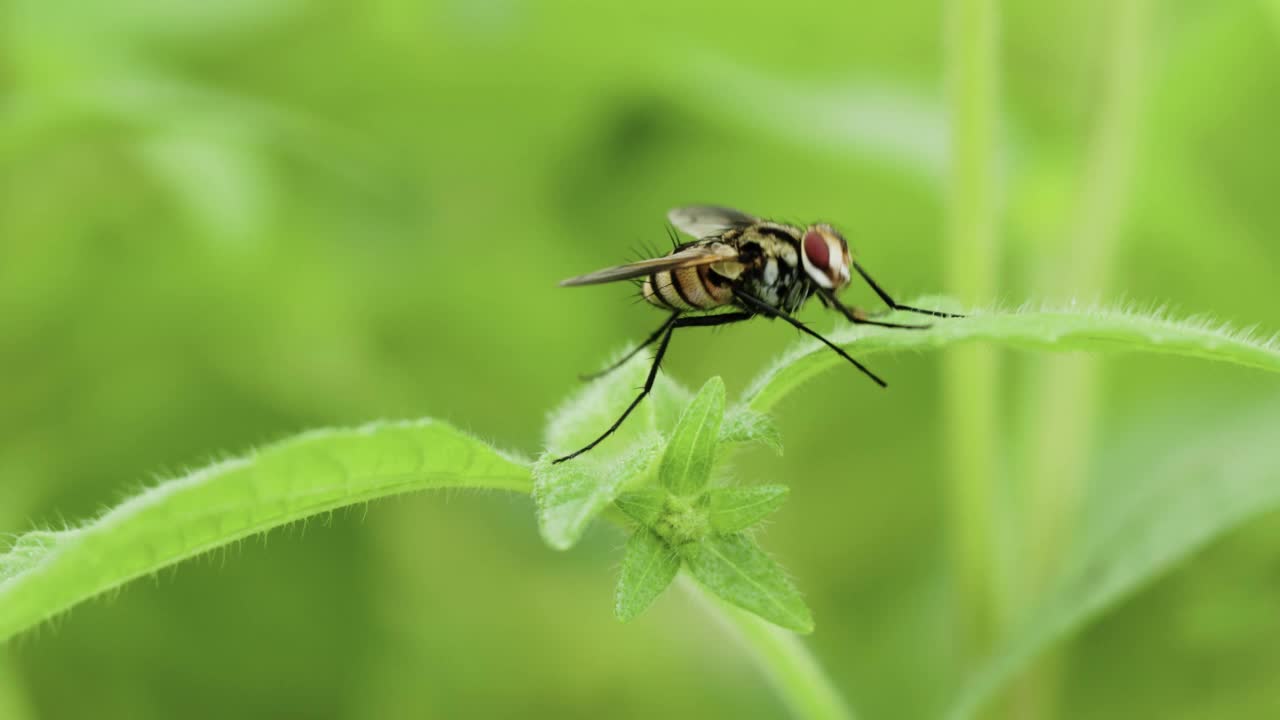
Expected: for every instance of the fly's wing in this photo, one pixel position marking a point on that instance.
(701, 254)
(702, 221)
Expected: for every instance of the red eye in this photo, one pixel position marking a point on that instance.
(816, 249)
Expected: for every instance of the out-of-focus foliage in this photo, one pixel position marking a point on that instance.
(221, 223)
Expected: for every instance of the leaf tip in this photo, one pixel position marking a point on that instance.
(557, 541)
(802, 623)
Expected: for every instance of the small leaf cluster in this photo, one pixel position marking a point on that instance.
(683, 520)
(657, 472)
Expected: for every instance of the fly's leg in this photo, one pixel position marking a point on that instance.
(664, 332)
(894, 304)
(699, 321)
(756, 304)
(860, 316)
(647, 342)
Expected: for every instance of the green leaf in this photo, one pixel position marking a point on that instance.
(744, 425)
(47, 572)
(1099, 330)
(647, 569)
(667, 400)
(736, 509)
(591, 410)
(733, 567)
(571, 494)
(686, 464)
(1143, 521)
(645, 506)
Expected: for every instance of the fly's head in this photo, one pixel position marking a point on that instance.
(825, 256)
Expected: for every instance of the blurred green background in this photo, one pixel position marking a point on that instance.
(221, 223)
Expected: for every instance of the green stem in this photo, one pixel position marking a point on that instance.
(780, 654)
(1066, 390)
(970, 373)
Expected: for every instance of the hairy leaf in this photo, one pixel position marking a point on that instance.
(686, 464)
(594, 407)
(645, 506)
(46, 572)
(571, 494)
(733, 567)
(736, 509)
(744, 425)
(1098, 330)
(647, 569)
(665, 403)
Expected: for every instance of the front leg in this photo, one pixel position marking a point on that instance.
(895, 304)
(750, 302)
(858, 315)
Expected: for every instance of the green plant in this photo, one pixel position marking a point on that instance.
(660, 478)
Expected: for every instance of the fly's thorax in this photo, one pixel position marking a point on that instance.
(788, 290)
(771, 260)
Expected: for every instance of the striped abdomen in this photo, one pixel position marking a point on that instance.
(687, 289)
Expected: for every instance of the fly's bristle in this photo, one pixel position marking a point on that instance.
(644, 251)
(639, 293)
(675, 237)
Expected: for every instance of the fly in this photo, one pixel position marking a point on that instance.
(755, 267)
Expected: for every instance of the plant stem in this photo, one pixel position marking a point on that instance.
(1064, 397)
(970, 373)
(1082, 266)
(790, 667)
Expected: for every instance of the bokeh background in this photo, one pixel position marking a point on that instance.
(221, 223)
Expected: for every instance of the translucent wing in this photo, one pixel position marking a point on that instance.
(700, 254)
(702, 221)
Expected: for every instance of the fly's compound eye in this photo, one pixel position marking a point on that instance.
(824, 259)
